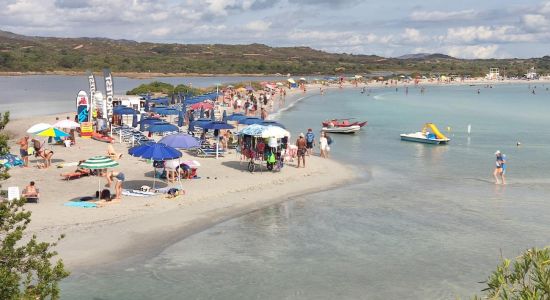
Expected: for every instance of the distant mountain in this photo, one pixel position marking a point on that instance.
(425, 56)
(19, 53)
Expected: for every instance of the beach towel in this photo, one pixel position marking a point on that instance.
(81, 204)
(137, 193)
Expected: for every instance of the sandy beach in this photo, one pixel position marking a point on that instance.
(140, 226)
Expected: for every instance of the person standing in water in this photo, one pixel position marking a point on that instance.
(500, 168)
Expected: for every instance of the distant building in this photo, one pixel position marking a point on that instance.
(532, 74)
(494, 74)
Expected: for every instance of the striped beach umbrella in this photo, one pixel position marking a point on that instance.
(97, 163)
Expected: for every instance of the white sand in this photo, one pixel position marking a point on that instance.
(140, 226)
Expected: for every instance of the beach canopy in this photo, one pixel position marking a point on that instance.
(52, 132)
(250, 121)
(98, 162)
(124, 110)
(291, 80)
(274, 131)
(38, 127)
(217, 125)
(236, 117)
(155, 151)
(201, 105)
(181, 141)
(253, 130)
(68, 124)
(162, 127)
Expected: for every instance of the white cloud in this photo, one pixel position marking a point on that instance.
(476, 34)
(258, 25)
(160, 32)
(412, 36)
(489, 51)
(535, 22)
(432, 16)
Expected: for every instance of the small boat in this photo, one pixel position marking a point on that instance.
(102, 138)
(342, 123)
(429, 135)
(422, 138)
(348, 129)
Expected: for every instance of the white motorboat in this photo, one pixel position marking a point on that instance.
(347, 129)
(422, 137)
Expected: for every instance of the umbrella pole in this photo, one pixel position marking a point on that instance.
(217, 145)
(154, 176)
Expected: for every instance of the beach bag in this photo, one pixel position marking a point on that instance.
(271, 158)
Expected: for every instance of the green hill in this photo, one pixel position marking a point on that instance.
(20, 53)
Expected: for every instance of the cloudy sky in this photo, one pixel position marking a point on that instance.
(465, 28)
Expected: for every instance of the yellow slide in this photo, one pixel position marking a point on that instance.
(433, 129)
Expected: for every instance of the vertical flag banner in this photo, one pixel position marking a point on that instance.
(109, 93)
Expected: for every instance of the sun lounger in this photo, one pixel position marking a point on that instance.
(209, 152)
(75, 175)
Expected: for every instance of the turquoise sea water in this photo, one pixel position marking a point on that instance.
(423, 222)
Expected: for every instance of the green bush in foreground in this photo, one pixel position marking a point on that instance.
(527, 278)
(26, 269)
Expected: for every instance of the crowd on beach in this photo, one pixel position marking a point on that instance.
(249, 102)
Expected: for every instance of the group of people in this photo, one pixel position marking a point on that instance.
(37, 148)
(306, 142)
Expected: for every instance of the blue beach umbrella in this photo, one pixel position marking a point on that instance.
(250, 121)
(201, 122)
(217, 125)
(272, 123)
(236, 117)
(162, 127)
(124, 110)
(181, 141)
(155, 151)
(224, 116)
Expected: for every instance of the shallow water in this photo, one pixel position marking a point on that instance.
(424, 222)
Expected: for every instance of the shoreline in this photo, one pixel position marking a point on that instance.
(96, 238)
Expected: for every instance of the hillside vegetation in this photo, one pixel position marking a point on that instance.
(20, 53)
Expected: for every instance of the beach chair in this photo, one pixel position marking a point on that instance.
(209, 152)
(32, 199)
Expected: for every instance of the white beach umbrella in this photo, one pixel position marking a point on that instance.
(38, 127)
(274, 131)
(67, 124)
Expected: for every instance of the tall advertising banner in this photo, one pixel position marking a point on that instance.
(82, 106)
(91, 82)
(109, 92)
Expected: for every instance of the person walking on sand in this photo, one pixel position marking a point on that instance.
(500, 168)
(24, 150)
(323, 145)
(310, 141)
(302, 149)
